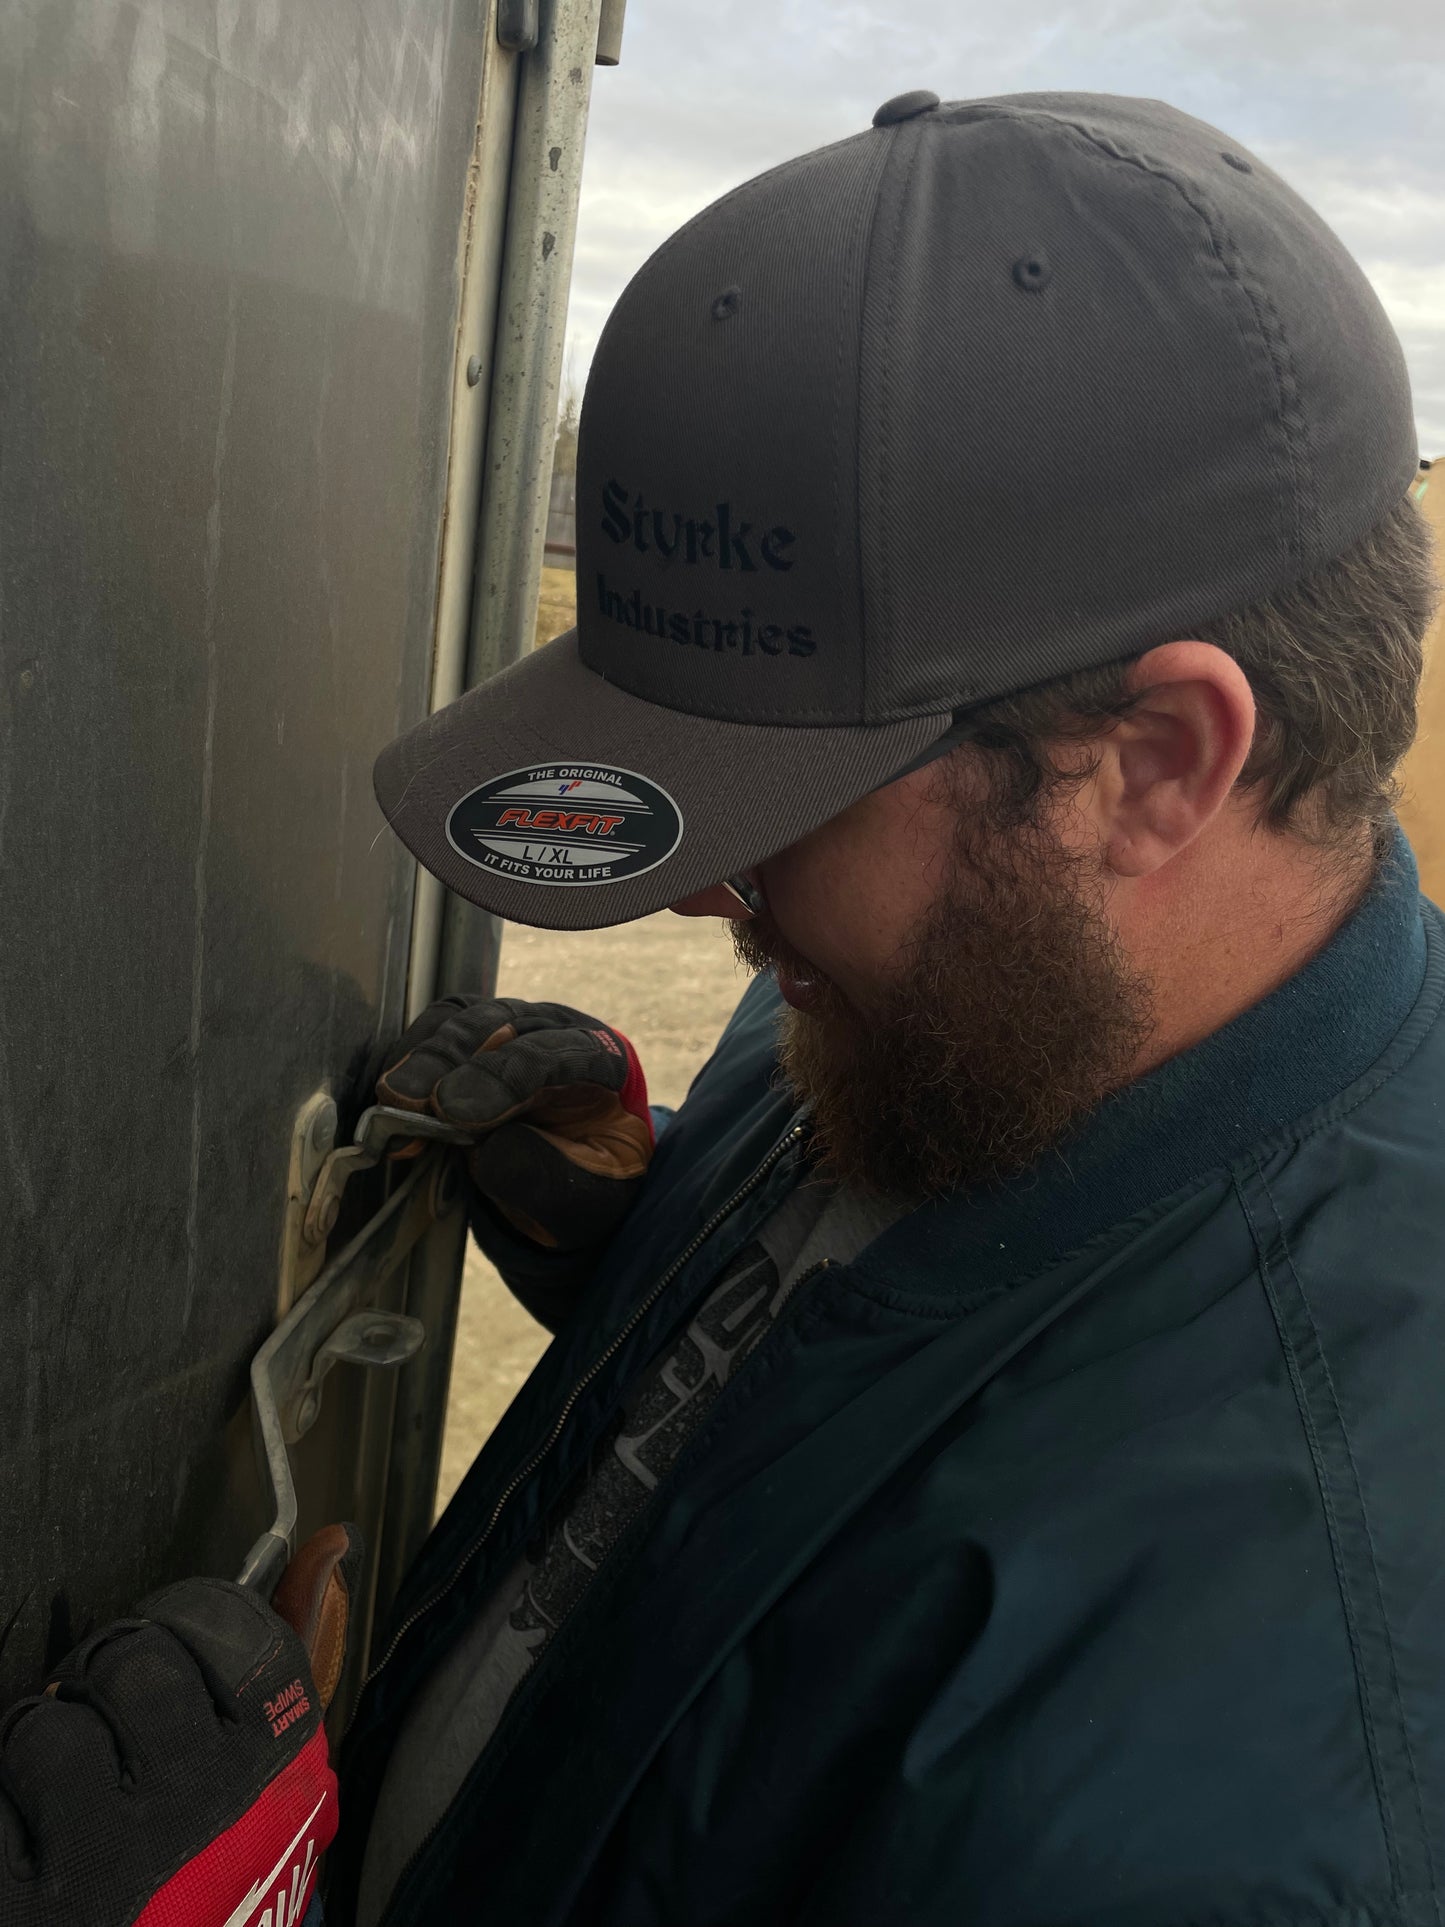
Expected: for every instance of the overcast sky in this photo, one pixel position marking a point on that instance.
(1346, 100)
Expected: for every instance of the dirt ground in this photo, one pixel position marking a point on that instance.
(670, 983)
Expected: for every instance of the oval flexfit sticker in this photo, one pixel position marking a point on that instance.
(566, 823)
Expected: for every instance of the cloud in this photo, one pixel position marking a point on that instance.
(1342, 99)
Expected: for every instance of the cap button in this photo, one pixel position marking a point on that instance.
(904, 107)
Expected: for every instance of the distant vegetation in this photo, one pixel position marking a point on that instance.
(557, 603)
(569, 414)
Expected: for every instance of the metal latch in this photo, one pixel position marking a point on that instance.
(320, 1171)
(329, 1323)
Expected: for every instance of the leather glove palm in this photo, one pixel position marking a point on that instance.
(557, 1100)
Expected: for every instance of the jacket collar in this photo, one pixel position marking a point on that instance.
(1286, 1057)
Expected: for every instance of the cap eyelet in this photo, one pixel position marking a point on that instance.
(1033, 273)
(727, 304)
(1237, 162)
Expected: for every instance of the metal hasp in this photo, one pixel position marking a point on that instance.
(325, 1327)
(318, 1176)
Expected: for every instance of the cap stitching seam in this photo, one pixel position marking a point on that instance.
(1226, 251)
(860, 442)
(884, 434)
(837, 462)
(816, 718)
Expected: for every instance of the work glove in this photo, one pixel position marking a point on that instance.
(175, 1773)
(557, 1101)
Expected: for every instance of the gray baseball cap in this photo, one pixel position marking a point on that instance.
(994, 391)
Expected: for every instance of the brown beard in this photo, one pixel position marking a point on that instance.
(1011, 1016)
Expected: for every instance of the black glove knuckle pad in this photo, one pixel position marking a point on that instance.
(52, 1746)
(446, 1034)
(159, 1733)
(476, 1092)
(489, 1085)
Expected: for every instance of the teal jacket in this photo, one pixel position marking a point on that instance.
(1074, 1557)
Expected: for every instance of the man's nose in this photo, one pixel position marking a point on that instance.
(720, 900)
(716, 901)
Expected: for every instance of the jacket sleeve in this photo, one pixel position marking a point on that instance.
(548, 1284)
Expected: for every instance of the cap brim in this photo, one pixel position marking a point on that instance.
(742, 790)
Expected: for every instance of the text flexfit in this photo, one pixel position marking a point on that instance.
(724, 539)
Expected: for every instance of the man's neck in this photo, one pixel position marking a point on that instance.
(1233, 918)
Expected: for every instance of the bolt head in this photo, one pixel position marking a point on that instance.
(323, 1129)
(306, 1412)
(474, 371)
(330, 1212)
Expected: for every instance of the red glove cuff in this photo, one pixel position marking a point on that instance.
(633, 1095)
(261, 1872)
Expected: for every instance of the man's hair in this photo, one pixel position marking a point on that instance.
(1334, 662)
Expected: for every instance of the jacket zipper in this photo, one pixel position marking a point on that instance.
(712, 1224)
(639, 1312)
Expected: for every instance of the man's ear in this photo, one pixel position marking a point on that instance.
(1168, 768)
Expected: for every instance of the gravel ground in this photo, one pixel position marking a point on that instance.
(670, 983)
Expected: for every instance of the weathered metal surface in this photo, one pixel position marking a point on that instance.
(229, 294)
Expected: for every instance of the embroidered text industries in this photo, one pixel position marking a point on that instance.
(745, 633)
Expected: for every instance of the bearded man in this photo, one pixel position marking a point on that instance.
(988, 1465)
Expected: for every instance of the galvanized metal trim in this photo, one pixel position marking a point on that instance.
(551, 133)
(527, 372)
(481, 243)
